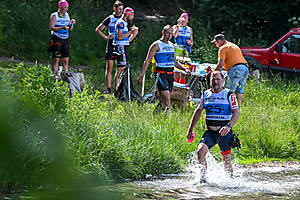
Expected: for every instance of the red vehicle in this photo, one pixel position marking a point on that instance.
(283, 55)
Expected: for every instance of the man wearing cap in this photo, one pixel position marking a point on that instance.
(110, 23)
(124, 34)
(163, 52)
(60, 24)
(231, 58)
(183, 37)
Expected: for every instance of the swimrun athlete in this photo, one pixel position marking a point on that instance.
(222, 113)
(59, 25)
(183, 36)
(163, 52)
(110, 23)
(122, 38)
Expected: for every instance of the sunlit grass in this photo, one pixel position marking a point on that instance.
(107, 139)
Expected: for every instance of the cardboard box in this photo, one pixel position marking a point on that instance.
(179, 93)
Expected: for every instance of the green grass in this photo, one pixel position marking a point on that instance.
(100, 138)
(48, 138)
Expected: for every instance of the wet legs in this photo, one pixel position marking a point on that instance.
(227, 164)
(201, 152)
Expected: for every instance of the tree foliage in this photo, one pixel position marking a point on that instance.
(255, 19)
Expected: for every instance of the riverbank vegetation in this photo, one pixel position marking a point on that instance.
(49, 139)
(102, 139)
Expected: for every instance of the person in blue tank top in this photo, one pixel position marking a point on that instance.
(163, 52)
(222, 113)
(109, 23)
(183, 37)
(124, 34)
(60, 25)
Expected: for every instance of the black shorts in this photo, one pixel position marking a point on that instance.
(211, 138)
(110, 51)
(165, 82)
(60, 47)
(121, 51)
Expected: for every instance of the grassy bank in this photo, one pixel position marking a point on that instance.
(98, 138)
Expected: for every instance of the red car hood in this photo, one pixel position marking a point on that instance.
(253, 51)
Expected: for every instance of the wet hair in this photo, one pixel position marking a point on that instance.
(117, 4)
(217, 72)
(212, 74)
(166, 27)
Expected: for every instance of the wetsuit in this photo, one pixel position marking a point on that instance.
(110, 23)
(164, 60)
(184, 33)
(60, 37)
(218, 108)
(121, 45)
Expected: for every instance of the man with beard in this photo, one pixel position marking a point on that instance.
(125, 32)
(222, 113)
(163, 52)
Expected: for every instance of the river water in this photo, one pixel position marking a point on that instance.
(261, 181)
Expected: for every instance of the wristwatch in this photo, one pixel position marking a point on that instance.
(229, 125)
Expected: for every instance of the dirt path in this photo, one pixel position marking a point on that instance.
(14, 60)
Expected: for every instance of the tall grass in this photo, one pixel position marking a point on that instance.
(270, 119)
(47, 137)
(105, 139)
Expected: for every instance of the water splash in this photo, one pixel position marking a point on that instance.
(258, 182)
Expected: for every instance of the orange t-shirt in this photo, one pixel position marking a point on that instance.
(231, 54)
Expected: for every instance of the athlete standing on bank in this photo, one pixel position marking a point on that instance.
(183, 36)
(60, 25)
(163, 52)
(124, 34)
(110, 23)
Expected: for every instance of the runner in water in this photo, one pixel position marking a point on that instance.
(222, 113)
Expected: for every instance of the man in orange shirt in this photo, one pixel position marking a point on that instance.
(231, 58)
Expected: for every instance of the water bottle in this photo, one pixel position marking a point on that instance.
(190, 140)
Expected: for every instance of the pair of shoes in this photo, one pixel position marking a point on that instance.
(108, 91)
(203, 180)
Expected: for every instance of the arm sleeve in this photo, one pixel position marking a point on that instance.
(106, 21)
(233, 102)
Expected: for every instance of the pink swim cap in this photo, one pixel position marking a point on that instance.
(62, 3)
(185, 15)
(128, 11)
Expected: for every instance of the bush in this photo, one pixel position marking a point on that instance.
(37, 84)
